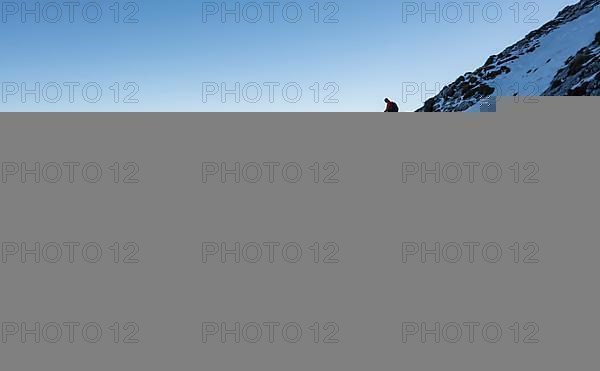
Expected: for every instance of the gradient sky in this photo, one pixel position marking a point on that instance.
(370, 53)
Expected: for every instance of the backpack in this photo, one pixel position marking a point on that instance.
(394, 107)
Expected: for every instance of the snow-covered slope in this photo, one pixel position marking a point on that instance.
(560, 58)
(580, 75)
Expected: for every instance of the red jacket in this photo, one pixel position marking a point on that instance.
(391, 107)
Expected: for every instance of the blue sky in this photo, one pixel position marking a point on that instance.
(181, 55)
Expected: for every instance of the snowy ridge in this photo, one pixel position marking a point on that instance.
(560, 58)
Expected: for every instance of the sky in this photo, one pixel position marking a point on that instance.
(192, 55)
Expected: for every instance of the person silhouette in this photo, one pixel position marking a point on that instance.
(391, 106)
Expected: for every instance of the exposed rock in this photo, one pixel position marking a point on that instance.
(571, 79)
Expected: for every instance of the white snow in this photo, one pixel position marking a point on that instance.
(558, 46)
(589, 79)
